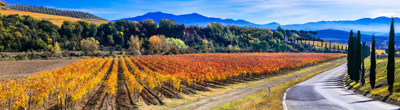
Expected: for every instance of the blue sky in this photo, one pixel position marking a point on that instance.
(256, 11)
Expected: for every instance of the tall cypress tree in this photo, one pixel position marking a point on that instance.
(372, 74)
(350, 55)
(390, 65)
(358, 56)
(362, 64)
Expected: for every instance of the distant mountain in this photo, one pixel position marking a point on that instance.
(378, 26)
(342, 37)
(191, 19)
(336, 31)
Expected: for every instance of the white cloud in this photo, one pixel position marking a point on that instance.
(385, 12)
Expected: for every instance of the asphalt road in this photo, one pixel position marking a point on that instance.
(322, 92)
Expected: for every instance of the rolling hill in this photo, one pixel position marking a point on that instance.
(55, 19)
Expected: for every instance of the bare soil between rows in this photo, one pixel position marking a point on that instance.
(20, 69)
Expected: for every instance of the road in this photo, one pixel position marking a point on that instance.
(323, 92)
(215, 101)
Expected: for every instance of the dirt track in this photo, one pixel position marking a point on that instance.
(212, 102)
(18, 69)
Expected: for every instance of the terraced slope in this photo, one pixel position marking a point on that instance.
(56, 19)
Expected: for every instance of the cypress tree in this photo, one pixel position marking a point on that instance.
(313, 42)
(355, 72)
(362, 64)
(326, 45)
(390, 65)
(372, 73)
(350, 56)
(358, 56)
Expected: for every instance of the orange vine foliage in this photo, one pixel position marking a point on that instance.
(198, 68)
(111, 82)
(77, 79)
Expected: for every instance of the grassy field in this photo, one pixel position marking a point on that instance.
(381, 88)
(55, 19)
(261, 100)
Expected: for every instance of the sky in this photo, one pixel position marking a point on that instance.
(256, 11)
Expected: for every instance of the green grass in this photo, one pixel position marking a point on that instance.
(381, 88)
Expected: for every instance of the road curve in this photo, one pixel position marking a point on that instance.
(322, 92)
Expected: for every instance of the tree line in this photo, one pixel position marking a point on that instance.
(357, 52)
(53, 11)
(23, 33)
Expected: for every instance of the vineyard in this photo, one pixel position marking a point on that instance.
(120, 82)
(55, 19)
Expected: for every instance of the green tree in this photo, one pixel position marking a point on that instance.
(166, 26)
(278, 34)
(372, 75)
(282, 31)
(391, 62)
(150, 26)
(293, 37)
(67, 29)
(178, 43)
(110, 40)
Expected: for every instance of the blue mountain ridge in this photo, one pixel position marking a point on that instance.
(336, 31)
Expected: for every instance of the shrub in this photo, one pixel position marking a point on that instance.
(89, 45)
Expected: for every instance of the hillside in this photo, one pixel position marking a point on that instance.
(54, 11)
(55, 19)
(381, 80)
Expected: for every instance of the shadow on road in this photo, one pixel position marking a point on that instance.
(332, 87)
(363, 101)
(347, 94)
